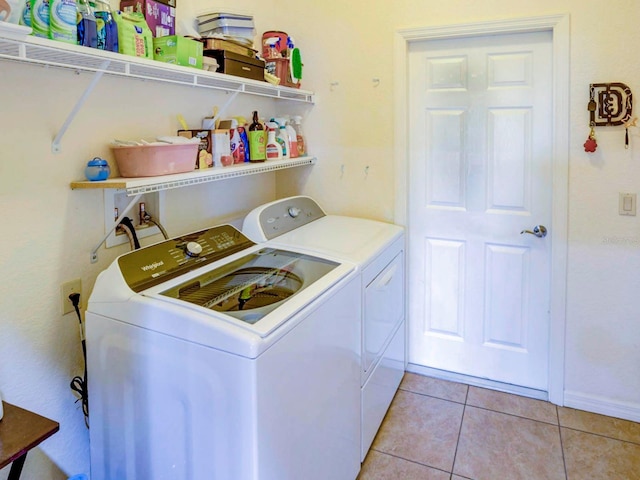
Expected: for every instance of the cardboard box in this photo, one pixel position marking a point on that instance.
(178, 50)
(204, 158)
(239, 65)
(171, 3)
(161, 18)
(222, 44)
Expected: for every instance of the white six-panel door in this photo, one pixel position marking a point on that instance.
(479, 174)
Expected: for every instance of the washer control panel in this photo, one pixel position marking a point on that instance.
(157, 263)
(288, 214)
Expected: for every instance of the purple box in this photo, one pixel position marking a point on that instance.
(160, 18)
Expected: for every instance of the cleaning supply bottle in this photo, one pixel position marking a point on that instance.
(236, 145)
(257, 140)
(106, 28)
(62, 20)
(242, 131)
(292, 138)
(281, 135)
(87, 33)
(26, 14)
(274, 149)
(283, 140)
(40, 12)
(297, 124)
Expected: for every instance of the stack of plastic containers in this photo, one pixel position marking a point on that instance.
(231, 26)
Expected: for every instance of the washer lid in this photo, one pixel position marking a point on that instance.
(258, 291)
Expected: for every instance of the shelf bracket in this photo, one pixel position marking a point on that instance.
(94, 252)
(55, 145)
(226, 104)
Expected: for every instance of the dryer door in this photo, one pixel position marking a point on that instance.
(383, 309)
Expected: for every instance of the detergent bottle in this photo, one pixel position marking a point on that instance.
(274, 149)
(257, 140)
(62, 20)
(87, 29)
(237, 147)
(106, 28)
(40, 18)
(242, 131)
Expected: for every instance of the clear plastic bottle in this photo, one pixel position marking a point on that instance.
(293, 139)
(302, 147)
(106, 28)
(87, 34)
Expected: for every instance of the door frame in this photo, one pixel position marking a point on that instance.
(559, 26)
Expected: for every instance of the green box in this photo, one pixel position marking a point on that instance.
(178, 50)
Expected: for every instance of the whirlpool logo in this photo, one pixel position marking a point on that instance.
(152, 266)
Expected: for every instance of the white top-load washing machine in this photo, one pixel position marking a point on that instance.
(378, 250)
(211, 357)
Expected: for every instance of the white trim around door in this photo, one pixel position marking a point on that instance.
(559, 26)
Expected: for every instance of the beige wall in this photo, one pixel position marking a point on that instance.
(48, 230)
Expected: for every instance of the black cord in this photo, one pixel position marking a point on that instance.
(127, 225)
(79, 384)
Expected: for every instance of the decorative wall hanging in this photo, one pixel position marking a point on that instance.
(610, 104)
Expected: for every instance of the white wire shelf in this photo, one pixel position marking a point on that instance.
(45, 52)
(135, 186)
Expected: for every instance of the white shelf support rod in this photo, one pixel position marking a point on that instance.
(55, 146)
(226, 104)
(94, 252)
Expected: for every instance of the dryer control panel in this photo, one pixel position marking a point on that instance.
(158, 263)
(288, 214)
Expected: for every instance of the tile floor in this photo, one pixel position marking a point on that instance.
(439, 430)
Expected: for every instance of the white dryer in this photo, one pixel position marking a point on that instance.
(377, 248)
(211, 357)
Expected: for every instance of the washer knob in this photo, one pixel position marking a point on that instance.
(193, 249)
(294, 212)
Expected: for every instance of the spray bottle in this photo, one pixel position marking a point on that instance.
(272, 51)
(274, 149)
(281, 136)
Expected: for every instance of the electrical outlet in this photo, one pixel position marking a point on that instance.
(66, 289)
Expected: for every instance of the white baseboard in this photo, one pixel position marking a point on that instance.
(602, 405)
(477, 381)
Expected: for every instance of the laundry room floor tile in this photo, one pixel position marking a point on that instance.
(493, 445)
(380, 466)
(600, 424)
(595, 457)
(512, 404)
(421, 429)
(434, 430)
(434, 387)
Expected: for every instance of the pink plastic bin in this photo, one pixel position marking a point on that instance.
(153, 160)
